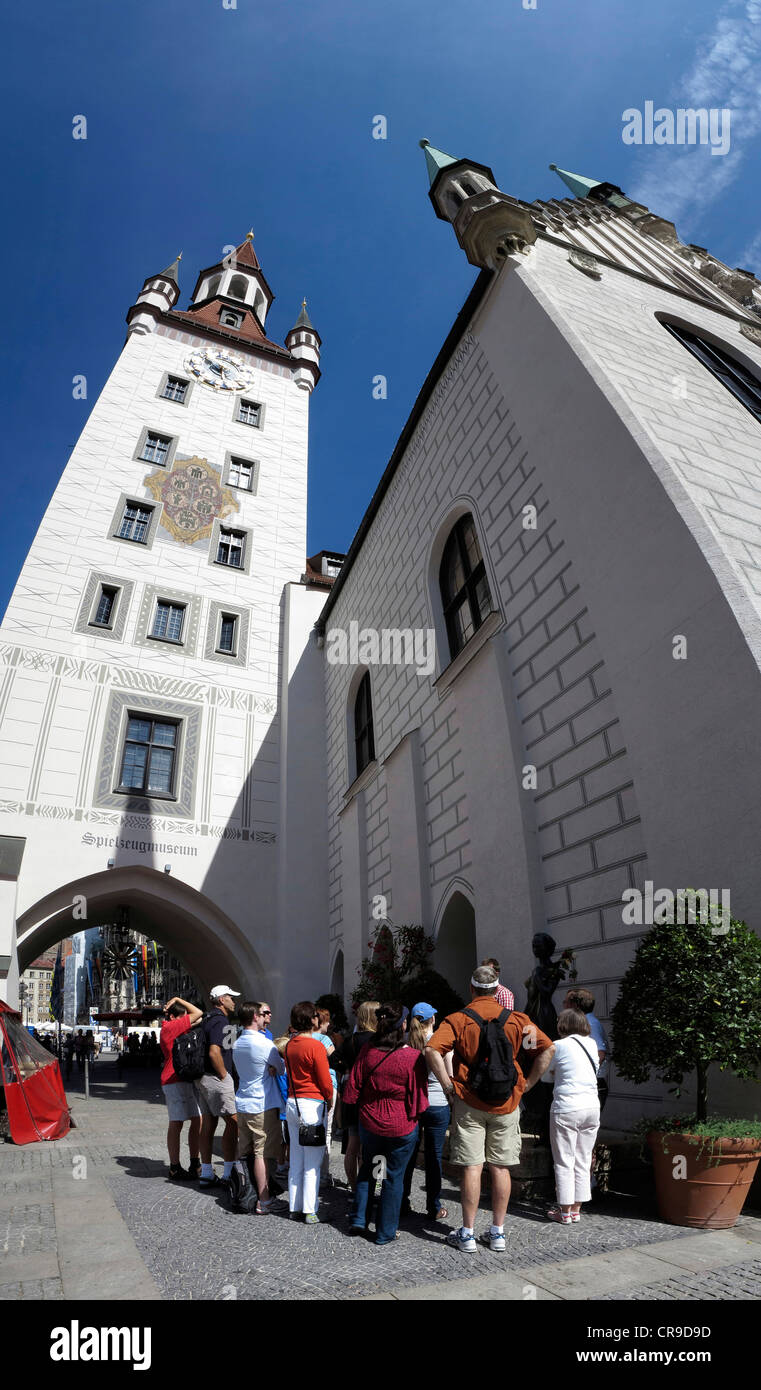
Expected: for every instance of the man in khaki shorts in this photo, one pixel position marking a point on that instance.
(479, 1132)
(216, 1088)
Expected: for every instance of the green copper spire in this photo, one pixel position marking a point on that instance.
(579, 186)
(435, 159)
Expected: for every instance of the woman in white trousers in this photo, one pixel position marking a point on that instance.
(574, 1115)
(310, 1092)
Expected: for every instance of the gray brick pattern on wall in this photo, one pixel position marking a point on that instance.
(468, 442)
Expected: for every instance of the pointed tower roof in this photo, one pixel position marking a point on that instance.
(578, 184)
(436, 159)
(303, 320)
(172, 271)
(245, 253)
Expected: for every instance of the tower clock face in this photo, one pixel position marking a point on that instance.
(219, 369)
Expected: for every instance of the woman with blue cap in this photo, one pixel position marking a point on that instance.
(433, 1123)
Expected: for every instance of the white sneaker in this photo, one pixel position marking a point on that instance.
(460, 1241)
(494, 1242)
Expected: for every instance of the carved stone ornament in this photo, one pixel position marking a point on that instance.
(748, 331)
(583, 261)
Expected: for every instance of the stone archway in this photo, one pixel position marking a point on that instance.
(183, 920)
(455, 955)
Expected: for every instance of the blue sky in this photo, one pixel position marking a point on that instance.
(203, 121)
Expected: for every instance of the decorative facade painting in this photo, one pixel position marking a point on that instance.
(193, 498)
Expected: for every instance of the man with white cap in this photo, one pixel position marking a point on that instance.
(216, 1088)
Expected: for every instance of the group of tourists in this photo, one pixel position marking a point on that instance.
(401, 1077)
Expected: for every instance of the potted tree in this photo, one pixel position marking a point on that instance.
(691, 999)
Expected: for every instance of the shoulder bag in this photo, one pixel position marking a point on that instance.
(310, 1136)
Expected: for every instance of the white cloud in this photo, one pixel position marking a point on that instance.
(725, 75)
(750, 256)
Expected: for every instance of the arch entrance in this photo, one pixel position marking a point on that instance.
(183, 920)
(455, 955)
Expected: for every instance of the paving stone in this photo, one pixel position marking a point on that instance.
(730, 1283)
(182, 1243)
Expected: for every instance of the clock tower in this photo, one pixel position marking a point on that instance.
(154, 736)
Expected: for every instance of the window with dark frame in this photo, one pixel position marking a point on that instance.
(148, 759)
(364, 739)
(106, 604)
(241, 474)
(230, 318)
(230, 548)
(135, 523)
(168, 621)
(745, 387)
(249, 413)
(175, 389)
(464, 586)
(155, 448)
(228, 628)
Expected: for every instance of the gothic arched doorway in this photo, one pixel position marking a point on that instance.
(455, 955)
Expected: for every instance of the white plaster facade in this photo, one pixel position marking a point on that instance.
(561, 389)
(67, 688)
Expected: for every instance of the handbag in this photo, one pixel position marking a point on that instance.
(310, 1136)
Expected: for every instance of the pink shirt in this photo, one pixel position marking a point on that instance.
(391, 1089)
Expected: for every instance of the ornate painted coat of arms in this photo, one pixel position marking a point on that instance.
(193, 498)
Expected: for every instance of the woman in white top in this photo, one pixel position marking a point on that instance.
(574, 1114)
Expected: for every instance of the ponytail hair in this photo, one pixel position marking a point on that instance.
(418, 1033)
(389, 1033)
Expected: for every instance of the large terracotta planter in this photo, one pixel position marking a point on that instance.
(708, 1189)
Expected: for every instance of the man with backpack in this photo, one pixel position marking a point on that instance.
(181, 1100)
(485, 1092)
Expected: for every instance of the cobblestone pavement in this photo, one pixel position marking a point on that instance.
(730, 1283)
(193, 1248)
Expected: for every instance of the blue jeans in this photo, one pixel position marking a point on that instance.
(434, 1123)
(396, 1152)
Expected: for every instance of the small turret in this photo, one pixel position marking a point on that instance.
(303, 342)
(488, 224)
(158, 295)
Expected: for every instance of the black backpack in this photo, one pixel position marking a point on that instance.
(492, 1076)
(189, 1053)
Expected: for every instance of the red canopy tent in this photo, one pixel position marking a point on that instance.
(31, 1077)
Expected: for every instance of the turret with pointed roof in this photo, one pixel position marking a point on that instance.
(158, 295)
(303, 342)
(488, 224)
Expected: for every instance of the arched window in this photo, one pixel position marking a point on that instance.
(468, 190)
(364, 740)
(464, 586)
(213, 286)
(745, 387)
(238, 287)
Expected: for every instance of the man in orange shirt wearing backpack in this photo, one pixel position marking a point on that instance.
(485, 1093)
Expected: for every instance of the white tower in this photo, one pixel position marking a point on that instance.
(150, 639)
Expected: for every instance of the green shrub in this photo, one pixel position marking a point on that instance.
(691, 998)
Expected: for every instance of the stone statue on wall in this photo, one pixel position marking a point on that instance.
(540, 986)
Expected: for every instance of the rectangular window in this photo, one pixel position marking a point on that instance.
(106, 604)
(228, 631)
(168, 621)
(150, 748)
(249, 413)
(230, 548)
(155, 448)
(241, 474)
(175, 389)
(135, 523)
